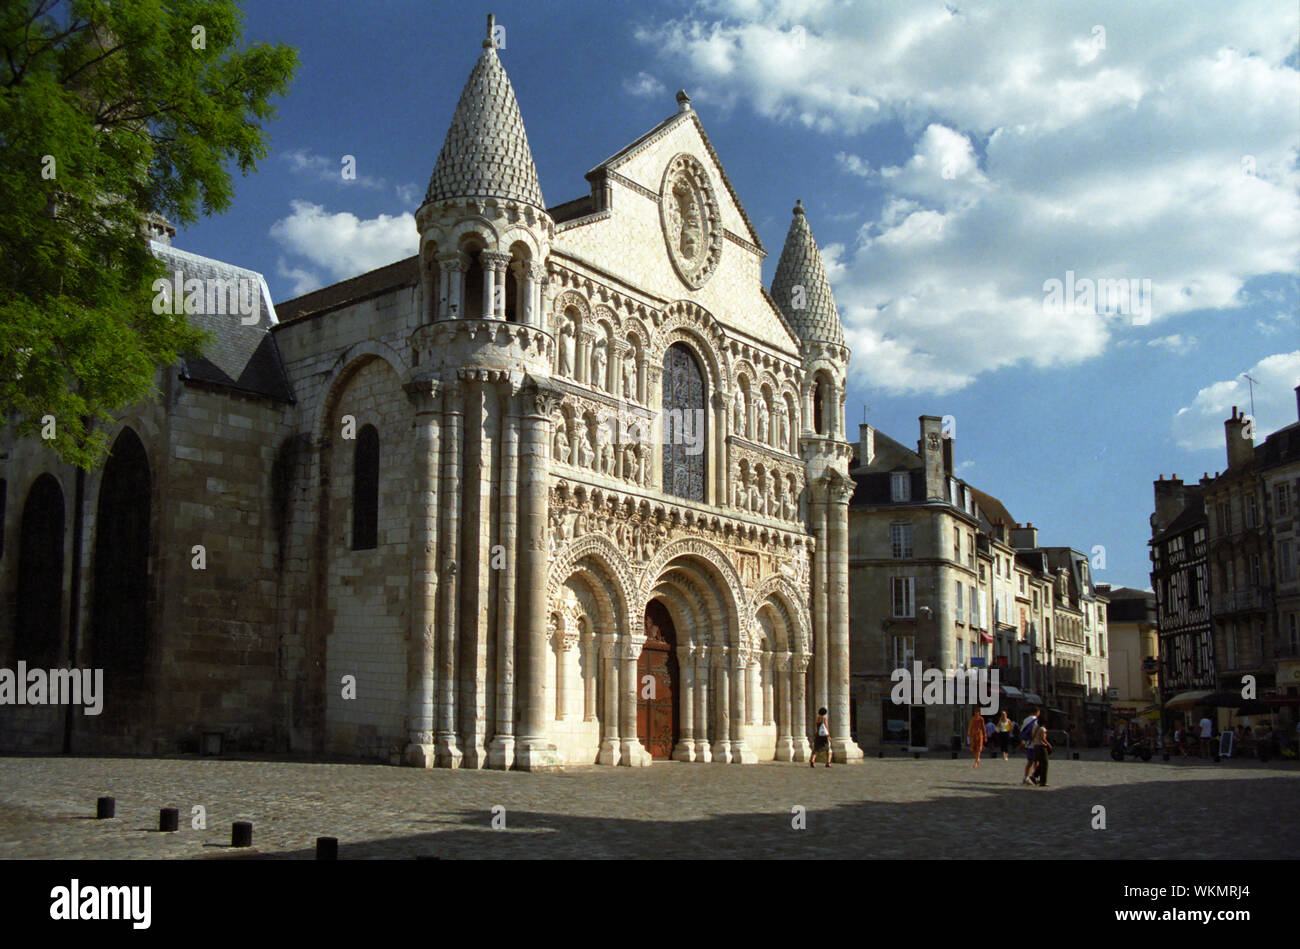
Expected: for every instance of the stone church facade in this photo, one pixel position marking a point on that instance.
(568, 486)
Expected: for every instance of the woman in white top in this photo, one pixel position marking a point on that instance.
(822, 742)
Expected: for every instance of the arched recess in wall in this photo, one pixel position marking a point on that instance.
(365, 489)
(39, 622)
(685, 421)
(119, 616)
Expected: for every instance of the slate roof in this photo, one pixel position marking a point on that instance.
(401, 273)
(240, 357)
(801, 265)
(992, 509)
(486, 151)
(1191, 516)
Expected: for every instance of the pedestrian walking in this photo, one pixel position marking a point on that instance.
(1026, 739)
(1041, 747)
(976, 732)
(822, 741)
(1004, 733)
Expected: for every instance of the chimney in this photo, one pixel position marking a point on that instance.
(1025, 537)
(930, 449)
(1241, 443)
(1171, 497)
(866, 444)
(947, 456)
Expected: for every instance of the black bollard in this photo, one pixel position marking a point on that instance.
(327, 848)
(916, 755)
(1076, 756)
(954, 756)
(105, 808)
(241, 834)
(168, 819)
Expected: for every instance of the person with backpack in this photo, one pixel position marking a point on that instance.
(1026, 739)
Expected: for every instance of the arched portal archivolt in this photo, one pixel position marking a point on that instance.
(710, 568)
(781, 593)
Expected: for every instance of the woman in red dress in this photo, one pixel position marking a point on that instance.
(975, 731)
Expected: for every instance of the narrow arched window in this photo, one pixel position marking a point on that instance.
(365, 490)
(120, 605)
(685, 424)
(473, 295)
(819, 411)
(38, 624)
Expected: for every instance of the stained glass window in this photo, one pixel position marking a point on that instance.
(685, 429)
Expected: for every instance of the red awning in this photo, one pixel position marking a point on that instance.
(985, 638)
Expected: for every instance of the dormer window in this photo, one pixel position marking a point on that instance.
(900, 486)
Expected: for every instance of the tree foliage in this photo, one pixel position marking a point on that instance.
(111, 112)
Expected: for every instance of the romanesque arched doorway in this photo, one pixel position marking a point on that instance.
(38, 625)
(658, 693)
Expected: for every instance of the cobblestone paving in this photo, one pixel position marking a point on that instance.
(895, 807)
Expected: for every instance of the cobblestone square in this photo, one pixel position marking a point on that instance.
(883, 808)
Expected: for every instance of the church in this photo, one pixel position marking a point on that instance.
(569, 486)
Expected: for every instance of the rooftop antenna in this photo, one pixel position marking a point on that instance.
(1251, 381)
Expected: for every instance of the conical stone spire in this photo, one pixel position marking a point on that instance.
(800, 287)
(486, 153)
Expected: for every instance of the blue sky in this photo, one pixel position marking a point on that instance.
(952, 158)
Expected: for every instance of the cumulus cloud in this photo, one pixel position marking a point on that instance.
(644, 86)
(1200, 425)
(339, 244)
(1161, 151)
(1174, 342)
(319, 168)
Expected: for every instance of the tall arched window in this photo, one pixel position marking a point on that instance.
(685, 424)
(472, 298)
(365, 490)
(819, 410)
(39, 623)
(120, 604)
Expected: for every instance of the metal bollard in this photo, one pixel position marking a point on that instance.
(327, 848)
(241, 834)
(168, 819)
(1076, 756)
(105, 808)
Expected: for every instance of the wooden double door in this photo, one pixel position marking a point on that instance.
(657, 684)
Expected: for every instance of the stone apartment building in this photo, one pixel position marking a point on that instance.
(1134, 649)
(459, 510)
(941, 573)
(1279, 464)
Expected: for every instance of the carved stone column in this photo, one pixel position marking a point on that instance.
(701, 657)
(798, 705)
(591, 662)
(449, 288)
(722, 713)
(494, 284)
(633, 752)
(474, 568)
(685, 750)
(501, 752)
(422, 642)
(447, 752)
(784, 708)
(769, 688)
(532, 750)
(741, 753)
(582, 355)
(610, 751)
(655, 401)
(564, 640)
(718, 486)
(839, 491)
(821, 666)
(536, 274)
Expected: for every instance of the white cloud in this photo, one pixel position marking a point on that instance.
(320, 168)
(304, 281)
(1200, 425)
(341, 244)
(644, 86)
(1175, 343)
(1168, 155)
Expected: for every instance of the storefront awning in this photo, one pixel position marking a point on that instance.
(1033, 698)
(985, 638)
(1010, 692)
(1185, 701)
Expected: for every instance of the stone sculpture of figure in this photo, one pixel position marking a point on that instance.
(778, 508)
(740, 490)
(585, 453)
(566, 349)
(629, 376)
(760, 407)
(604, 450)
(781, 424)
(598, 360)
(642, 476)
(561, 442)
(755, 492)
(769, 491)
(740, 412)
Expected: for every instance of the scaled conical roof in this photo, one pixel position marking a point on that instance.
(816, 320)
(486, 152)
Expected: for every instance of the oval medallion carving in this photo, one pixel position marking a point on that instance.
(688, 210)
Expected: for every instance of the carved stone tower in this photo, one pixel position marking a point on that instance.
(803, 293)
(483, 408)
